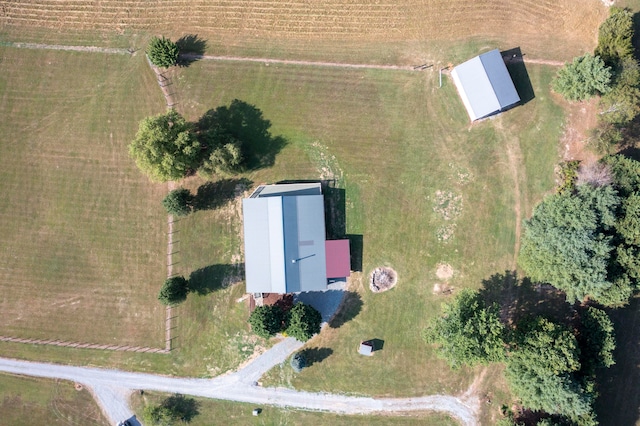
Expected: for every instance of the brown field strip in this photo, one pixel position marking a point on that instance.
(563, 27)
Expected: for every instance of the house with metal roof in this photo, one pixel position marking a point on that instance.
(485, 86)
(285, 240)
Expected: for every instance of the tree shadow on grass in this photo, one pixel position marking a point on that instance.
(214, 277)
(349, 308)
(519, 298)
(185, 408)
(213, 195)
(619, 399)
(191, 49)
(316, 355)
(245, 123)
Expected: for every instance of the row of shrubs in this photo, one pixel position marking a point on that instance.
(301, 321)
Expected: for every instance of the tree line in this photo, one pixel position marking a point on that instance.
(612, 73)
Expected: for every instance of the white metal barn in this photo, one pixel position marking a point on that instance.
(485, 86)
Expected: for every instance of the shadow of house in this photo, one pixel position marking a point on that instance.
(191, 48)
(349, 309)
(245, 123)
(514, 61)
(213, 195)
(325, 302)
(214, 277)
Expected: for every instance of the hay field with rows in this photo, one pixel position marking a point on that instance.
(365, 30)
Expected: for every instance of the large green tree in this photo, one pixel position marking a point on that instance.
(303, 321)
(568, 243)
(163, 52)
(615, 36)
(622, 104)
(165, 148)
(585, 77)
(468, 332)
(597, 336)
(541, 370)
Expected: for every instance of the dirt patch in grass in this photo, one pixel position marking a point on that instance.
(444, 271)
(383, 279)
(581, 118)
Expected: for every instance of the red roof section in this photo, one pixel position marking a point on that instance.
(338, 258)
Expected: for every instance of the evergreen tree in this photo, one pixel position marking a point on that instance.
(163, 52)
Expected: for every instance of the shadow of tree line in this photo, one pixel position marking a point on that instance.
(211, 278)
(518, 298)
(243, 122)
(215, 194)
(191, 49)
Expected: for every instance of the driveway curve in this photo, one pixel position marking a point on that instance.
(112, 388)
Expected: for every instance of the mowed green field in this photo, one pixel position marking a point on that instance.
(33, 401)
(424, 188)
(82, 232)
(212, 412)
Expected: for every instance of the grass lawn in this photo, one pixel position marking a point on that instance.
(423, 187)
(35, 401)
(212, 412)
(82, 232)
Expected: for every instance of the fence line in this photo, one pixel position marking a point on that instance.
(80, 345)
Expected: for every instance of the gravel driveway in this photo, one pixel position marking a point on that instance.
(112, 388)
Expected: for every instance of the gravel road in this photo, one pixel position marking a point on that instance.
(111, 389)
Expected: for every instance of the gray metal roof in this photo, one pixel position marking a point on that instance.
(288, 189)
(484, 84)
(284, 238)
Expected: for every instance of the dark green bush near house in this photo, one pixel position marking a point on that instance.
(162, 52)
(174, 291)
(304, 322)
(266, 321)
(178, 202)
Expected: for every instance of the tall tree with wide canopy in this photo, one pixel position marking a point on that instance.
(583, 78)
(540, 370)
(165, 148)
(468, 332)
(568, 243)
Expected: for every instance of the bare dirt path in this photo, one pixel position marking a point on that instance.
(112, 387)
(95, 49)
(268, 61)
(130, 51)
